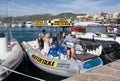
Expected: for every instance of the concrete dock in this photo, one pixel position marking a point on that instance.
(108, 72)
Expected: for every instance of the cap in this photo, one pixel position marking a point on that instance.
(73, 33)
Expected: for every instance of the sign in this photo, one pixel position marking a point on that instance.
(44, 61)
(39, 23)
(61, 23)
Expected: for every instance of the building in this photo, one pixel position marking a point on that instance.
(115, 15)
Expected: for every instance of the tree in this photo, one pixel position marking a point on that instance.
(103, 15)
(89, 18)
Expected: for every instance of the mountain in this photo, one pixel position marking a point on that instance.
(46, 17)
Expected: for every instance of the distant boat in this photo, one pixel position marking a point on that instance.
(28, 24)
(85, 23)
(14, 25)
(57, 63)
(11, 55)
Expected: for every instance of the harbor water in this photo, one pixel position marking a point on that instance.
(26, 67)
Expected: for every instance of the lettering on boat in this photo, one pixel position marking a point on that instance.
(63, 65)
(44, 61)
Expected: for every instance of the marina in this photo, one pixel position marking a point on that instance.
(59, 40)
(26, 67)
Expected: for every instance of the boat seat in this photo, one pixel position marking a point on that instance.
(85, 56)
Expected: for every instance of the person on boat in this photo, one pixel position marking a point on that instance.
(46, 44)
(70, 41)
(40, 39)
(42, 33)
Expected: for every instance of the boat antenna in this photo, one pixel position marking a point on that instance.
(65, 16)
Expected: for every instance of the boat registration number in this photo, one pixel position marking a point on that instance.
(44, 61)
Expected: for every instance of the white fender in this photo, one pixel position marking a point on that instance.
(97, 51)
(117, 39)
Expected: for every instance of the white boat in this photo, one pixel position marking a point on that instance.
(56, 63)
(109, 42)
(11, 55)
(85, 23)
(99, 36)
(28, 24)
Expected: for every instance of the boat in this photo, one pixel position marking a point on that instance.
(56, 63)
(11, 55)
(28, 24)
(109, 43)
(85, 23)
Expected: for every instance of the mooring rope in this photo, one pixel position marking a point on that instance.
(107, 55)
(29, 76)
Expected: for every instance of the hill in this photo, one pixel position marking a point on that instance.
(48, 17)
(71, 16)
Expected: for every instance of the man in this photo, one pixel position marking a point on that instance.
(70, 42)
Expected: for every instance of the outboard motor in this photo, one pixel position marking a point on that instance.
(3, 45)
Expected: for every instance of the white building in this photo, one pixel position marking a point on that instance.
(109, 16)
(95, 16)
(115, 15)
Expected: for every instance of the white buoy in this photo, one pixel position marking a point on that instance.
(3, 45)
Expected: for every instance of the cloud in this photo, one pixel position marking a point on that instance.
(90, 6)
(16, 8)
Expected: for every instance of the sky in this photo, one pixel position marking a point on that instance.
(54, 7)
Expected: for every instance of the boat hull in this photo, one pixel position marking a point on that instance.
(55, 66)
(108, 46)
(12, 60)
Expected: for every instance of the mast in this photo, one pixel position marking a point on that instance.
(8, 26)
